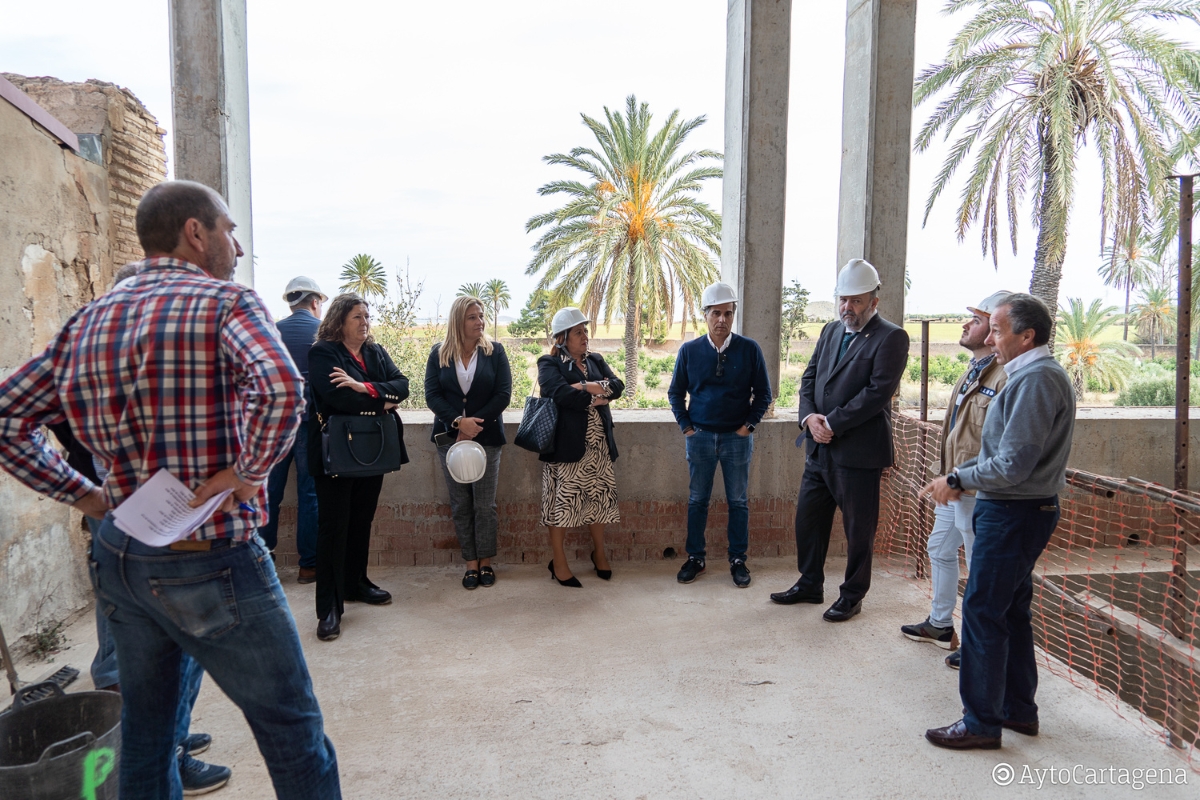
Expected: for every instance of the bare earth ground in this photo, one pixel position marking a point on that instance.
(645, 688)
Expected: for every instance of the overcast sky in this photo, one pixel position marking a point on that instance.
(415, 131)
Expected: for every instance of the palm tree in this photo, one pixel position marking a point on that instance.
(1127, 267)
(365, 276)
(1033, 82)
(495, 294)
(1155, 314)
(471, 290)
(1084, 355)
(632, 235)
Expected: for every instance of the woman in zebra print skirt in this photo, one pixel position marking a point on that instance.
(578, 484)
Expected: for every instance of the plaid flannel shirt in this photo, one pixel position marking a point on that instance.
(172, 369)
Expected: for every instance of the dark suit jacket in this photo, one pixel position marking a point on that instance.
(555, 376)
(856, 395)
(490, 392)
(328, 399)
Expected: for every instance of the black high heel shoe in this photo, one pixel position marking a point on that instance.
(571, 581)
(604, 574)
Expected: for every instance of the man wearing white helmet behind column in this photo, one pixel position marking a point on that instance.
(962, 431)
(724, 378)
(845, 412)
(298, 332)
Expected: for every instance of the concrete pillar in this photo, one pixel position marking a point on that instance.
(877, 142)
(757, 61)
(210, 106)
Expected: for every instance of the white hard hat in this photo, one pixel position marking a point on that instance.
(466, 461)
(990, 303)
(716, 294)
(302, 284)
(566, 319)
(857, 277)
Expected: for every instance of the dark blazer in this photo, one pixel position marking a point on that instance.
(856, 395)
(328, 399)
(555, 376)
(489, 395)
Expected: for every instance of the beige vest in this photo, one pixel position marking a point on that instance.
(964, 441)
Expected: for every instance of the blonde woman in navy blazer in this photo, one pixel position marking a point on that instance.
(468, 385)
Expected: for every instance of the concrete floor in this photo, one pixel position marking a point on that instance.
(644, 688)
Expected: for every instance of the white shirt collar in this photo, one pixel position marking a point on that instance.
(1028, 357)
(723, 347)
(466, 374)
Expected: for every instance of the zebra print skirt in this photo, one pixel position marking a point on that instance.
(585, 492)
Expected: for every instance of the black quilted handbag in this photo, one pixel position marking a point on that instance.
(360, 445)
(538, 423)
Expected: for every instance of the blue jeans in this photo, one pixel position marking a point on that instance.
(998, 679)
(306, 501)
(951, 530)
(226, 609)
(104, 665)
(705, 450)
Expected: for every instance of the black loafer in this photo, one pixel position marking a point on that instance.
(842, 610)
(330, 628)
(799, 593)
(959, 737)
(1023, 728)
(371, 595)
(471, 579)
(487, 577)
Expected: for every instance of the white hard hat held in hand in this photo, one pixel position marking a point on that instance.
(717, 294)
(566, 319)
(466, 461)
(857, 277)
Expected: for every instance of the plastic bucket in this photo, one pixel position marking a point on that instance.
(65, 747)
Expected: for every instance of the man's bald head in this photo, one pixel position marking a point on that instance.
(167, 207)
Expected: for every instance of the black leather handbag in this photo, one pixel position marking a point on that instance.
(536, 432)
(360, 445)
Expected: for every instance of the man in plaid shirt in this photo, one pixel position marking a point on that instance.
(180, 368)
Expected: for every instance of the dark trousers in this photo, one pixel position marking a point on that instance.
(825, 488)
(998, 679)
(345, 510)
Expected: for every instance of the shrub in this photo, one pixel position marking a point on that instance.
(788, 393)
(646, 402)
(532, 349)
(522, 384)
(652, 380)
(942, 369)
(1154, 392)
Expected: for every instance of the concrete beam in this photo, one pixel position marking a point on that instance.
(210, 104)
(757, 61)
(877, 142)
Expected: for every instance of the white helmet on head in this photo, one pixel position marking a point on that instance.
(466, 461)
(566, 319)
(298, 287)
(857, 277)
(990, 303)
(716, 294)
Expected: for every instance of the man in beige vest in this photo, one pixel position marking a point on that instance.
(961, 434)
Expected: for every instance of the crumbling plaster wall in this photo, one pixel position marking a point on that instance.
(66, 225)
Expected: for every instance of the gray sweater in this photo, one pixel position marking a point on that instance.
(1026, 436)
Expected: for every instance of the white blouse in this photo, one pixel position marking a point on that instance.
(466, 374)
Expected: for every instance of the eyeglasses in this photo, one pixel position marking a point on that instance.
(720, 373)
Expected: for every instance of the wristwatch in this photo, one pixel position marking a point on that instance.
(457, 420)
(749, 427)
(952, 481)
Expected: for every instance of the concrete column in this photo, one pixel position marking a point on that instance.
(210, 107)
(877, 142)
(757, 61)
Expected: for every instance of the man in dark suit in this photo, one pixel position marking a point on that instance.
(845, 413)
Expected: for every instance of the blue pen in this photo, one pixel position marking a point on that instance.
(247, 507)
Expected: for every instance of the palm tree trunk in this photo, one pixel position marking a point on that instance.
(1153, 341)
(631, 334)
(496, 320)
(1077, 379)
(1051, 246)
(1125, 335)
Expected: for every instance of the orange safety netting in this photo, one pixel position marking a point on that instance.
(1116, 599)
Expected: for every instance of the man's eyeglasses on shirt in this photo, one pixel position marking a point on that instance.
(720, 373)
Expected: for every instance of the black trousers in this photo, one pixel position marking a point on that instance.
(345, 510)
(825, 488)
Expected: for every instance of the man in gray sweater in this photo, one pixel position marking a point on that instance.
(1017, 476)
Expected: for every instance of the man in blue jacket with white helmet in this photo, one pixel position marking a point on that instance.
(725, 376)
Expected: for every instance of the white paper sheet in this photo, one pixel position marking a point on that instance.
(158, 514)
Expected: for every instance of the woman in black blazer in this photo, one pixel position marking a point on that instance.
(468, 384)
(348, 373)
(578, 484)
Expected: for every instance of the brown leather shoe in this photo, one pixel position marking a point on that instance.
(1024, 728)
(958, 737)
(307, 575)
